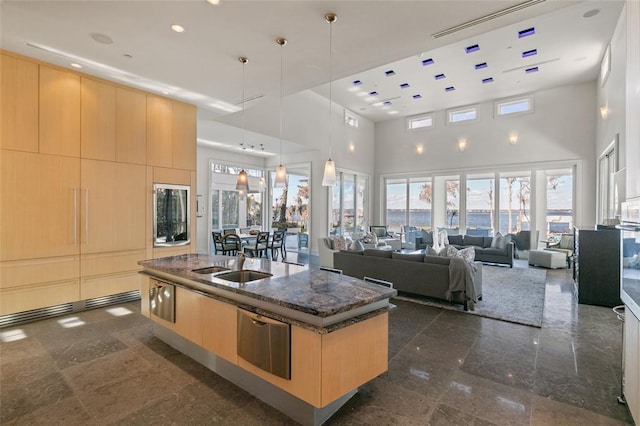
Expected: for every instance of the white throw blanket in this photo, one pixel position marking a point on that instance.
(461, 279)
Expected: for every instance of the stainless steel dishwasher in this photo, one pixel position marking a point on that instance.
(265, 343)
(162, 300)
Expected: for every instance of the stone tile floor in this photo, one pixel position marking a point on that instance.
(445, 368)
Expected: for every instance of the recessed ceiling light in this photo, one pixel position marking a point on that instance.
(393, 112)
(591, 13)
(177, 28)
(439, 76)
(214, 2)
(481, 66)
(526, 33)
(404, 85)
(473, 48)
(357, 82)
(73, 64)
(528, 53)
(427, 62)
(449, 89)
(373, 93)
(487, 80)
(389, 73)
(387, 103)
(126, 55)
(530, 70)
(418, 96)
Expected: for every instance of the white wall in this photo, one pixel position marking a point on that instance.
(632, 153)
(561, 128)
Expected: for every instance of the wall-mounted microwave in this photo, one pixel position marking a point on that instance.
(171, 207)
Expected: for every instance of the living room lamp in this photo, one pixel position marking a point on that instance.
(329, 175)
(242, 184)
(281, 173)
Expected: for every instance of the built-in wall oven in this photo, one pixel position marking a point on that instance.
(630, 229)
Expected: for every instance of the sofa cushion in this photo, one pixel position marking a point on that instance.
(357, 253)
(455, 239)
(427, 237)
(470, 240)
(487, 242)
(493, 251)
(438, 260)
(418, 257)
(378, 253)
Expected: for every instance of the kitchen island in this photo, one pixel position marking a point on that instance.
(302, 340)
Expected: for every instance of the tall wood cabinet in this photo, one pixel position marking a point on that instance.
(76, 180)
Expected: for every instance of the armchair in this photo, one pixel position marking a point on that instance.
(564, 245)
(384, 236)
(325, 251)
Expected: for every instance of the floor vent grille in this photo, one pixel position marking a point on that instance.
(67, 308)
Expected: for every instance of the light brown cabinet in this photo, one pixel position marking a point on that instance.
(19, 104)
(219, 328)
(113, 206)
(40, 205)
(131, 127)
(184, 136)
(59, 109)
(159, 131)
(98, 120)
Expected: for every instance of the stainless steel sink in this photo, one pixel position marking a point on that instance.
(243, 276)
(210, 270)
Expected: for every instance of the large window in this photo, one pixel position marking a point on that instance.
(480, 204)
(290, 205)
(420, 195)
(349, 205)
(452, 213)
(559, 202)
(515, 192)
(396, 204)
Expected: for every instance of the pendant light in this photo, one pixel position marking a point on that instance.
(281, 173)
(242, 184)
(329, 175)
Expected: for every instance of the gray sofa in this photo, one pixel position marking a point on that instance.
(485, 248)
(414, 273)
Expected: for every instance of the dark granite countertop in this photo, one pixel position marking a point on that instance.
(311, 292)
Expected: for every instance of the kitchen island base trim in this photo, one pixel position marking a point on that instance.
(288, 404)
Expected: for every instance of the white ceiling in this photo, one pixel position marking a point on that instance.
(201, 65)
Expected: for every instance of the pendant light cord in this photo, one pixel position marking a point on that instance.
(330, 79)
(281, 47)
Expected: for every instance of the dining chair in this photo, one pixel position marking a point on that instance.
(259, 246)
(277, 243)
(231, 244)
(217, 242)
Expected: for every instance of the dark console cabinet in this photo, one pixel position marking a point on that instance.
(597, 266)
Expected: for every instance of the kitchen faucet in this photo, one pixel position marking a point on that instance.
(240, 261)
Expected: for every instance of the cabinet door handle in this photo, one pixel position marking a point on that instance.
(86, 216)
(75, 216)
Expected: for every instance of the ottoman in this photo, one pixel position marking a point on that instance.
(547, 258)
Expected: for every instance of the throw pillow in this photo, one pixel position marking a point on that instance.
(497, 241)
(451, 251)
(467, 254)
(330, 242)
(455, 239)
(339, 243)
(356, 245)
(431, 251)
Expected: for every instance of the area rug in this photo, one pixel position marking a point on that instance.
(508, 294)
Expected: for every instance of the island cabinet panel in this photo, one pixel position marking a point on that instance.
(59, 107)
(131, 127)
(39, 195)
(306, 360)
(354, 355)
(97, 120)
(219, 329)
(159, 131)
(189, 315)
(110, 273)
(113, 206)
(19, 104)
(632, 363)
(39, 296)
(184, 136)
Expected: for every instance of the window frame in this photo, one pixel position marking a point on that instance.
(515, 100)
(420, 117)
(351, 120)
(453, 111)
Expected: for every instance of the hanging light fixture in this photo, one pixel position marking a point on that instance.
(281, 173)
(329, 176)
(242, 184)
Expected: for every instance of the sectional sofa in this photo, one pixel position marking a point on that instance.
(498, 249)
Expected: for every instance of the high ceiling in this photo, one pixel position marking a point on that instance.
(132, 42)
